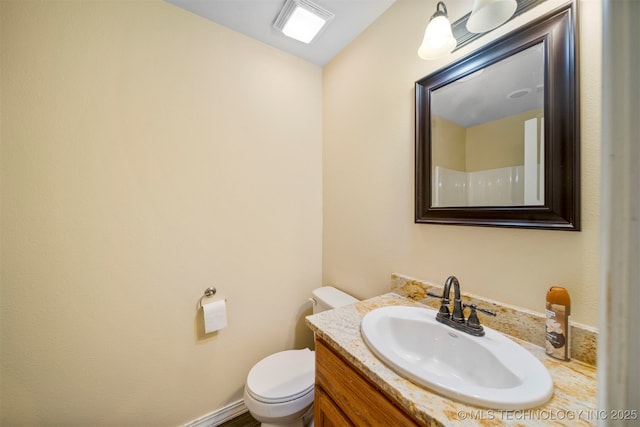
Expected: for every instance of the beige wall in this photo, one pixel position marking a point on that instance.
(449, 144)
(368, 178)
(147, 154)
(497, 144)
(491, 145)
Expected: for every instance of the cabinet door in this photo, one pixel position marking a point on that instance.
(326, 413)
(354, 396)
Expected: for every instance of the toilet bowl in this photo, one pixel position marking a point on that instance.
(279, 388)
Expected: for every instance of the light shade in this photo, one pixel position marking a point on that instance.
(302, 20)
(489, 14)
(438, 39)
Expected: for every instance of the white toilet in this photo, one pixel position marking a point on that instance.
(279, 388)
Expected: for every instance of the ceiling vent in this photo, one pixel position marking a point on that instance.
(302, 20)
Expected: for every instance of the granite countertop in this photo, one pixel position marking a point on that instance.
(573, 402)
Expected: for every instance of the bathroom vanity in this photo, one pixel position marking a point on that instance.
(353, 387)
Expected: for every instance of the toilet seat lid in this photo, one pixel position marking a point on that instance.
(283, 376)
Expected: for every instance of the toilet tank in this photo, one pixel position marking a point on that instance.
(328, 297)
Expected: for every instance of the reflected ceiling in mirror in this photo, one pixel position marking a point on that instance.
(511, 86)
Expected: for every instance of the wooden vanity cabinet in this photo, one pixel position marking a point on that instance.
(343, 397)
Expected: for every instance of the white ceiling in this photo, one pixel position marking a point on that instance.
(255, 18)
(484, 96)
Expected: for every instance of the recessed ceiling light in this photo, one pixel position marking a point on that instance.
(302, 20)
(518, 93)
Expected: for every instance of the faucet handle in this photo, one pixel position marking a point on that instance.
(473, 322)
(444, 309)
(444, 304)
(474, 307)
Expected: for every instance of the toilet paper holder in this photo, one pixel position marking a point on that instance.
(208, 293)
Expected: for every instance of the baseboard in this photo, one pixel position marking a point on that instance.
(220, 416)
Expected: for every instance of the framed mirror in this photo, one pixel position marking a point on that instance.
(497, 133)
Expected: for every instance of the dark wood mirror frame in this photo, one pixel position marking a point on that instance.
(561, 209)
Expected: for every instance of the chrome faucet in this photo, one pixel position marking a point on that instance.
(471, 325)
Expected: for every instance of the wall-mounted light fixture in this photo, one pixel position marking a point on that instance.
(489, 14)
(302, 20)
(442, 38)
(438, 39)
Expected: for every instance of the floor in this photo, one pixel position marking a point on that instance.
(244, 420)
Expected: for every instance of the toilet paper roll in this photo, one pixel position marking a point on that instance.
(215, 315)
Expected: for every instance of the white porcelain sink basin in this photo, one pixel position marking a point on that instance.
(490, 371)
